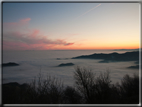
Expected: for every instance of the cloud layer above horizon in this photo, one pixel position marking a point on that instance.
(28, 39)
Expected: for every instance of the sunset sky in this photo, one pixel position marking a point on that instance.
(59, 26)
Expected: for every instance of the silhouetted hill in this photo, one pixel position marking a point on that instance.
(134, 67)
(65, 64)
(15, 84)
(126, 49)
(10, 64)
(128, 56)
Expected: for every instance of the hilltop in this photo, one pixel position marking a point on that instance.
(128, 56)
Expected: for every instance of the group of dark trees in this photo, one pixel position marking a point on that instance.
(88, 89)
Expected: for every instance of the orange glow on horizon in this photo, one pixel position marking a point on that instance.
(96, 48)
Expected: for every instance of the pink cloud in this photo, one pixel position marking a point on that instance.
(18, 23)
(67, 44)
(26, 20)
(35, 33)
(30, 40)
(11, 45)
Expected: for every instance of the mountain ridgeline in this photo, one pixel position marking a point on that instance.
(112, 57)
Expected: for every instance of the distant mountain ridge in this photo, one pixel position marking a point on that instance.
(127, 49)
(10, 64)
(128, 56)
(65, 64)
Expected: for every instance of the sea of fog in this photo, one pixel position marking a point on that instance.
(32, 62)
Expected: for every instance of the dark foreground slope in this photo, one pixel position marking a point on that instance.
(87, 89)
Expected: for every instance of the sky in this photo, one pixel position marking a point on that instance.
(70, 26)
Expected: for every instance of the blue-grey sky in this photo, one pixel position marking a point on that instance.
(43, 26)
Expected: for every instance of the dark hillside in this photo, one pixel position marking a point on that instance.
(128, 56)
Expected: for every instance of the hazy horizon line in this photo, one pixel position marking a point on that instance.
(73, 49)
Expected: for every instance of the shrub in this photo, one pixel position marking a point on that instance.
(88, 89)
(42, 91)
(129, 89)
(71, 96)
(93, 90)
(84, 82)
(103, 88)
(99, 90)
